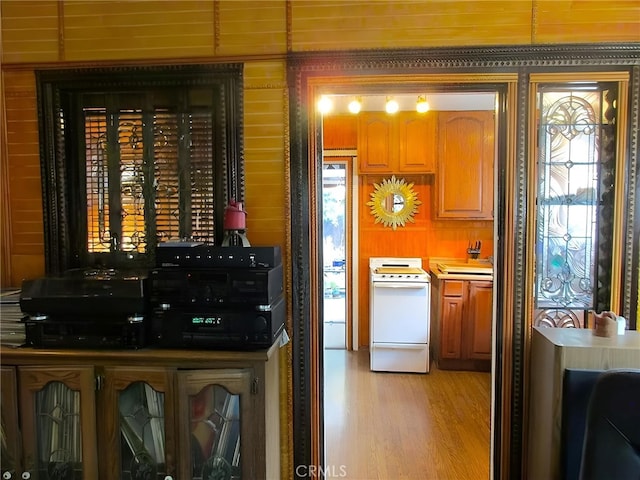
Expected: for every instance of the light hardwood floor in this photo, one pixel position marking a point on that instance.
(392, 426)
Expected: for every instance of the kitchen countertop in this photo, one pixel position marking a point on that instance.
(439, 274)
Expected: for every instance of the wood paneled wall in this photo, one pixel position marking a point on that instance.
(91, 30)
(53, 32)
(265, 131)
(21, 158)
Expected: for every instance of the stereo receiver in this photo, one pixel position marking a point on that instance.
(250, 327)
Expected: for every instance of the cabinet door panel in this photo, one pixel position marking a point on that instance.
(59, 422)
(480, 317)
(10, 456)
(466, 154)
(417, 142)
(137, 415)
(377, 143)
(215, 424)
(451, 332)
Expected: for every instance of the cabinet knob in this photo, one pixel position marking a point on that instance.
(168, 477)
(7, 476)
(26, 475)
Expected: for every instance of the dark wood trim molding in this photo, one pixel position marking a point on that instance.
(513, 304)
(632, 232)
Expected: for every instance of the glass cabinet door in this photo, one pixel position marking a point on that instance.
(138, 417)
(214, 423)
(10, 436)
(58, 419)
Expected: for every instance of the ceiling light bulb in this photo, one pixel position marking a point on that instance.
(355, 105)
(325, 105)
(391, 105)
(422, 105)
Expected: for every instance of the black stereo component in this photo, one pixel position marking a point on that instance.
(106, 293)
(65, 333)
(189, 288)
(190, 255)
(238, 328)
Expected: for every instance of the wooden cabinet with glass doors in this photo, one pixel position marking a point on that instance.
(140, 415)
(10, 456)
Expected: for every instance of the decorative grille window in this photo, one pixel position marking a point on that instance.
(575, 195)
(149, 155)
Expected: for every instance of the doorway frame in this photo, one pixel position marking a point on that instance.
(335, 157)
(507, 65)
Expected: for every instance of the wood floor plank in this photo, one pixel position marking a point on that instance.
(384, 426)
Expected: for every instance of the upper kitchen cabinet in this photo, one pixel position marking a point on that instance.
(401, 143)
(418, 142)
(340, 132)
(466, 151)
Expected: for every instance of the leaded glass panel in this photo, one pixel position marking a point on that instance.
(571, 200)
(59, 433)
(214, 416)
(142, 433)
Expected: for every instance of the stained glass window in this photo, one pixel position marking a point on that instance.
(571, 197)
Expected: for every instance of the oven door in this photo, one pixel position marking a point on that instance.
(400, 312)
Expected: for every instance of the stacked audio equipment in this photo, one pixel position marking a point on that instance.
(86, 308)
(218, 297)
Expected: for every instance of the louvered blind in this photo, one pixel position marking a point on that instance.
(147, 180)
(97, 180)
(202, 177)
(137, 156)
(129, 198)
(166, 178)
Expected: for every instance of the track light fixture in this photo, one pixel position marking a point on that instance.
(391, 106)
(355, 105)
(422, 105)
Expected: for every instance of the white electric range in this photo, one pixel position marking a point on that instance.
(400, 295)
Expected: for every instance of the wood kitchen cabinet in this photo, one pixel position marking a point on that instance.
(401, 143)
(466, 152)
(340, 132)
(462, 317)
(140, 414)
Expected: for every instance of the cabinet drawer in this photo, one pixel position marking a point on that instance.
(453, 288)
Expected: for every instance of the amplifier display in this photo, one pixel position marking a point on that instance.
(250, 327)
(177, 287)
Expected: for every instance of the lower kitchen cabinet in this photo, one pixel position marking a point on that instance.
(147, 414)
(462, 313)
